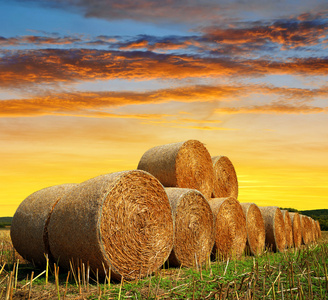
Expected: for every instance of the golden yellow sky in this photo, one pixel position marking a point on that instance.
(86, 89)
(278, 160)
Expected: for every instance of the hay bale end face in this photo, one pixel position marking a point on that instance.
(185, 165)
(120, 222)
(255, 228)
(230, 227)
(194, 227)
(305, 229)
(275, 234)
(297, 231)
(29, 228)
(288, 228)
(225, 178)
(319, 229)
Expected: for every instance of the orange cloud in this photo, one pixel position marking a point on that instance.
(91, 103)
(273, 109)
(50, 66)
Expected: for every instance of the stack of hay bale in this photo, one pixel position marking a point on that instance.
(180, 205)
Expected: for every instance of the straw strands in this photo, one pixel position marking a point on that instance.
(305, 229)
(255, 228)
(226, 182)
(120, 223)
(29, 228)
(230, 227)
(297, 231)
(186, 165)
(275, 235)
(288, 229)
(194, 227)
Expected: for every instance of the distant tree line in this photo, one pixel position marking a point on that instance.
(317, 214)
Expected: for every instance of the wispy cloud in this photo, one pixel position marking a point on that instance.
(19, 68)
(94, 103)
(275, 108)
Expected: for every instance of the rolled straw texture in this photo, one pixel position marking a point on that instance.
(29, 228)
(314, 230)
(319, 229)
(275, 234)
(305, 229)
(186, 165)
(297, 231)
(120, 222)
(194, 227)
(288, 229)
(230, 227)
(225, 178)
(255, 228)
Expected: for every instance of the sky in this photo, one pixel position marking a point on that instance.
(88, 86)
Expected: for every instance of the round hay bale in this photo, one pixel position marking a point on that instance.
(186, 165)
(288, 229)
(275, 234)
(314, 230)
(297, 231)
(305, 229)
(225, 178)
(29, 228)
(255, 228)
(120, 222)
(230, 228)
(194, 227)
(319, 229)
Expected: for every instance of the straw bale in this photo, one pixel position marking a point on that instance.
(319, 229)
(255, 228)
(275, 234)
(297, 231)
(29, 232)
(120, 222)
(306, 230)
(226, 182)
(185, 165)
(230, 227)
(314, 230)
(194, 227)
(288, 228)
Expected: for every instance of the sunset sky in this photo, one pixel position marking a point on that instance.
(87, 86)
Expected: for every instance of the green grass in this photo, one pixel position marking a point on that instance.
(294, 274)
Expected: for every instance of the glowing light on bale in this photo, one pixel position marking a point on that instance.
(255, 228)
(120, 222)
(194, 227)
(297, 231)
(275, 234)
(230, 227)
(29, 228)
(288, 228)
(226, 182)
(186, 165)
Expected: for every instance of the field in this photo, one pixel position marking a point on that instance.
(294, 274)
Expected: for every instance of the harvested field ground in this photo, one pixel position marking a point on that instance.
(292, 274)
